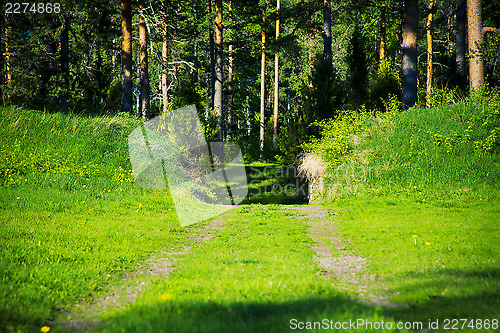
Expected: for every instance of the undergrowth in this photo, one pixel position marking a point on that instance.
(441, 151)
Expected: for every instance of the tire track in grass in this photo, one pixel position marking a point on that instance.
(84, 316)
(338, 264)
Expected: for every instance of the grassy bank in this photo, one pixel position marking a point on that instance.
(71, 220)
(74, 229)
(418, 193)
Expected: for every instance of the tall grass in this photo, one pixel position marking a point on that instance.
(71, 220)
(439, 150)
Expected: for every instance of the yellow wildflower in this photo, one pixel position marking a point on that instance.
(427, 243)
(45, 329)
(166, 297)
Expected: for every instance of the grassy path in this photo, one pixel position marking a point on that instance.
(253, 269)
(275, 267)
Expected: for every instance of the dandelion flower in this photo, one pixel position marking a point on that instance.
(166, 297)
(427, 243)
(45, 329)
(414, 236)
(18, 198)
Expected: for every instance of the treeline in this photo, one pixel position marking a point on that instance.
(260, 72)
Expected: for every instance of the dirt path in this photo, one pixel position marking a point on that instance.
(83, 317)
(339, 264)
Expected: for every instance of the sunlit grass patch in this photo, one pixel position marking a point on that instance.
(443, 261)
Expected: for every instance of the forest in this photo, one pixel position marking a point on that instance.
(261, 73)
(366, 197)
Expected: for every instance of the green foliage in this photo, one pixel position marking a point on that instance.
(444, 148)
(358, 71)
(76, 232)
(326, 94)
(386, 83)
(441, 96)
(187, 92)
(336, 142)
(490, 52)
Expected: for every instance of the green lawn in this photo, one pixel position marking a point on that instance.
(75, 230)
(443, 261)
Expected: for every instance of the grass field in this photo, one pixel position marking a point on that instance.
(83, 248)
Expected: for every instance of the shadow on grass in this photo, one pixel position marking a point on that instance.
(327, 310)
(450, 293)
(274, 184)
(265, 316)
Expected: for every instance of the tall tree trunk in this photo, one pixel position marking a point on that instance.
(383, 9)
(195, 41)
(164, 55)
(144, 77)
(3, 28)
(126, 14)
(230, 116)
(218, 70)
(474, 28)
(262, 81)
(460, 48)
(327, 30)
(64, 62)
(409, 63)
(7, 56)
(429, 53)
(212, 60)
(276, 79)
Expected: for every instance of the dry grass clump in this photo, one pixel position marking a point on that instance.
(311, 166)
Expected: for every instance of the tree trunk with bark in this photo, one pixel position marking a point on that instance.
(429, 53)
(262, 82)
(383, 9)
(144, 75)
(218, 70)
(7, 56)
(126, 16)
(212, 60)
(327, 30)
(474, 29)
(409, 63)
(460, 48)
(276, 80)
(164, 56)
(230, 116)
